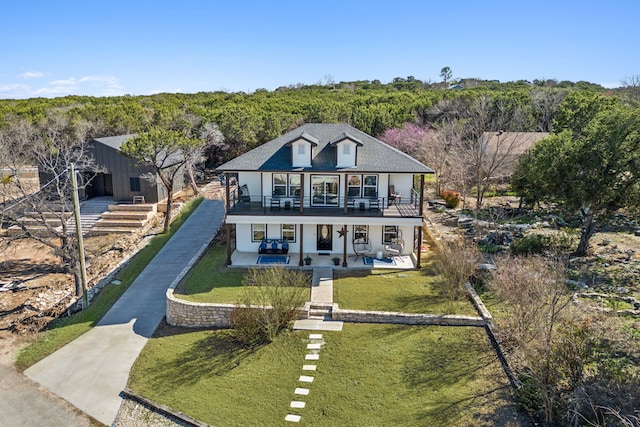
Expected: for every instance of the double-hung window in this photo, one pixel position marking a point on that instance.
(286, 184)
(362, 185)
(360, 233)
(258, 232)
(288, 232)
(354, 184)
(389, 233)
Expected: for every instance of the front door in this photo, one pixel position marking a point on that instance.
(325, 233)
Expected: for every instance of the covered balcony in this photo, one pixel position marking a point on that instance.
(241, 203)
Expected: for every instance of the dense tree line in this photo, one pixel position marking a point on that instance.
(248, 120)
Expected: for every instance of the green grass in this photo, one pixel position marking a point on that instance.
(64, 330)
(373, 375)
(210, 281)
(399, 291)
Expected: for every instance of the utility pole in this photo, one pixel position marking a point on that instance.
(76, 214)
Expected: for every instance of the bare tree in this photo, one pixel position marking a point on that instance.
(41, 214)
(479, 156)
(631, 89)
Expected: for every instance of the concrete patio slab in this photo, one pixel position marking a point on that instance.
(317, 325)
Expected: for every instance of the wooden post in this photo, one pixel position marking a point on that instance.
(346, 191)
(301, 241)
(227, 227)
(344, 255)
(301, 204)
(421, 208)
(418, 261)
(227, 191)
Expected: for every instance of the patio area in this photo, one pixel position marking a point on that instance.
(292, 259)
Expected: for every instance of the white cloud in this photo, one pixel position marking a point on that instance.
(31, 74)
(611, 85)
(87, 85)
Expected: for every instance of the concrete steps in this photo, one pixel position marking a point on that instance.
(33, 222)
(127, 215)
(124, 219)
(142, 207)
(320, 311)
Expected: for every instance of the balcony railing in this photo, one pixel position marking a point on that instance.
(357, 206)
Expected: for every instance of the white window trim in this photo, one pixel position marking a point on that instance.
(295, 233)
(384, 234)
(253, 234)
(366, 231)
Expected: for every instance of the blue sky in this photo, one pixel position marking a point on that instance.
(138, 47)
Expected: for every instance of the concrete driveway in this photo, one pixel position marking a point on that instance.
(91, 371)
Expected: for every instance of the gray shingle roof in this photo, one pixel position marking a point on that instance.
(373, 156)
(115, 141)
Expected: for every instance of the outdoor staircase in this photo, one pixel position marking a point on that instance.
(123, 219)
(90, 211)
(32, 221)
(320, 311)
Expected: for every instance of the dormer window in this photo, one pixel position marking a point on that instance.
(302, 149)
(346, 150)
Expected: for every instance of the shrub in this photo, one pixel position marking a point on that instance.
(456, 262)
(451, 198)
(271, 300)
(246, 325)
(532, 244)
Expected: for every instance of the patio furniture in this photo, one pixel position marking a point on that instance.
(374, 203)
(274, 203)
(393, 196)
(361, 247)
(245, 197)
(273, 246)
(396, 247)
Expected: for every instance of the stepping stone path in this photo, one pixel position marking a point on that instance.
(314, 348)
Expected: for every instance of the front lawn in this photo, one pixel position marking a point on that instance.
(399, 291)
(211, 281)
(374, 375)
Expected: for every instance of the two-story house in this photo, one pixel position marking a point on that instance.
(301, 192)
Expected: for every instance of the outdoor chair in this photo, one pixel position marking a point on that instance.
(245, 197)
(361, 247)
(396, 247)
(393, 196)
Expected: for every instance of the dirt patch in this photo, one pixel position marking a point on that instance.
(35, 288)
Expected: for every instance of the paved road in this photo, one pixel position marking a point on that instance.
(91, 371)
(25, 403)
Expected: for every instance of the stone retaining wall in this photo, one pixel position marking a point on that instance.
(206, 315)
(359, 316)
(196, 314)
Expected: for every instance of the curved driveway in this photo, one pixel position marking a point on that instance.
(91, 371)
